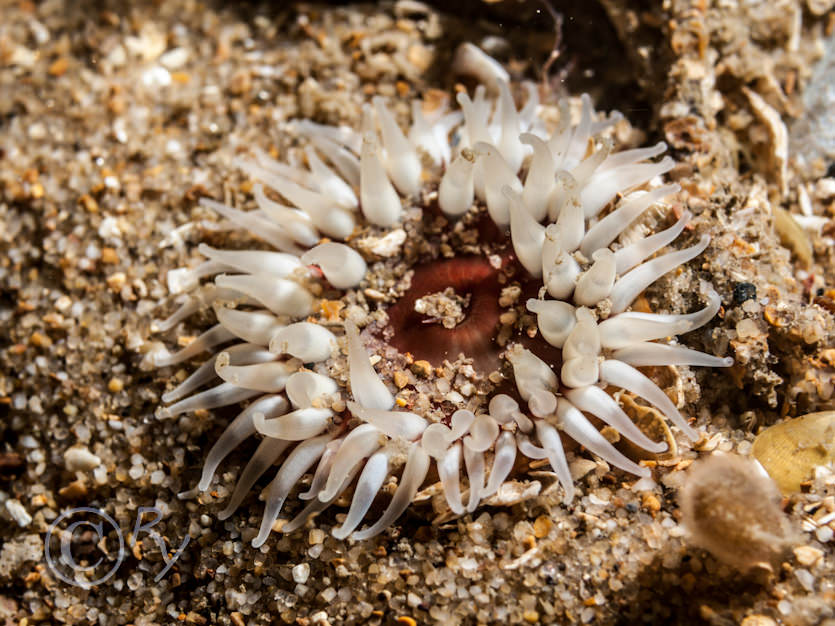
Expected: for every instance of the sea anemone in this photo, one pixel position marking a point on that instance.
(476, 238)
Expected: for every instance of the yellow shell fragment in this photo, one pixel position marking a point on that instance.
(792, 236)
(791, 450)
(652, 423)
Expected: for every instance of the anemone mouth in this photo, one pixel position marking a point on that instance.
(519, 260)
(411, 331)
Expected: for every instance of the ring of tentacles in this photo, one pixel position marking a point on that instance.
(525, 254)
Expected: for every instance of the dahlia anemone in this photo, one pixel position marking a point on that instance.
(564, 201)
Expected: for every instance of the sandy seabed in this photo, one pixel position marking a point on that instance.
(114, 121)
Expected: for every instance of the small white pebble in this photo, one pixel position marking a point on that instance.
(751, 306)
(82, 432)
(389, 245)
(454, 397)
(156, 76)
(63, 304)
(805, 578)
(747, 328)
(109, 227)
(80, 459)
(18, 512)
(594, 499)
(172, 146)
(824, 534)
(174, 58)
(320, 618)
(301, 572)
(808, 555)
(468, 563)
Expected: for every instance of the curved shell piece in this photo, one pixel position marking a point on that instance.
(789, 451)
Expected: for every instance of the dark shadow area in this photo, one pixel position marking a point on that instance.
(688, 595)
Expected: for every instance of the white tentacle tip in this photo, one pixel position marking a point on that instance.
(259, 421)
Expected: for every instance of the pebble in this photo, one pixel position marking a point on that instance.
(824, 534)
(747, 328)
(650, 502)
(542, 526)
(80, 459)
(401, 379)
(156, 76)
(758, 620)
(18, 512)
(422, 368)
(805, 578)
(807, 555)
(301, 572)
